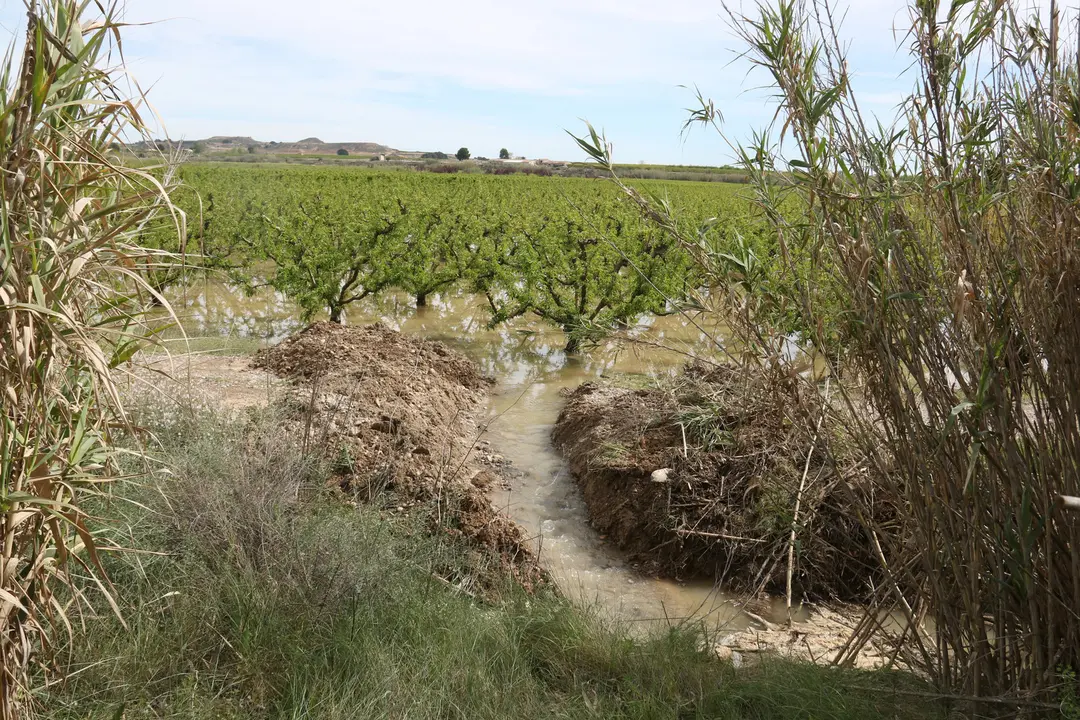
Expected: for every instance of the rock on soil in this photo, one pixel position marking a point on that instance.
(823, 638)
(397, 417)
(699, 480)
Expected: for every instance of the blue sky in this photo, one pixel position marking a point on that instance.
(436, 75)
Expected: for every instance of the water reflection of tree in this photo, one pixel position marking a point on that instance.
(216, 309)
(517, 352)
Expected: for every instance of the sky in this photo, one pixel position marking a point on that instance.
(484, 74)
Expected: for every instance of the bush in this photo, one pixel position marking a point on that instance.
(463, 154)
(342, 152)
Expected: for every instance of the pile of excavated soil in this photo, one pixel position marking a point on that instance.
(397, 417)
(700, 480)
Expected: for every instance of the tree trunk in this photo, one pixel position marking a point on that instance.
(421, 299)
(335, 314)
(573, 345)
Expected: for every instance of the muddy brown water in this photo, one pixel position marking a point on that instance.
(531, 368)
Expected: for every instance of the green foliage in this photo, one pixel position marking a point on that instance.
(1070, 704)
(463, 154)
(588, 268)
(504, 154)
(342, 152)
(328, 253)
(572, 252)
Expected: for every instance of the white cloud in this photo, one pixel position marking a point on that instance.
(556, 46)
(438, 73)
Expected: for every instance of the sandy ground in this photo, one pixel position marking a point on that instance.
(228, 382)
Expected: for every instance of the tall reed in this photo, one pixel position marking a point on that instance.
(71, 303)
(951, 241)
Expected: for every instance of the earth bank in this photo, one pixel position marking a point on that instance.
(700, 478)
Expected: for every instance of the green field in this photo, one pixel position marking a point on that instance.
(573, 252)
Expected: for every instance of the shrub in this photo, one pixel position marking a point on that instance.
(342, 152)
(462, 154)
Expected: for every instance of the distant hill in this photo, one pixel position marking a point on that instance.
(307, 146)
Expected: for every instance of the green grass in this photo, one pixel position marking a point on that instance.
(257, 596)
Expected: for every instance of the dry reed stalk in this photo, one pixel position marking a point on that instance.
(71, 303)
(953, 244)
(943, 252)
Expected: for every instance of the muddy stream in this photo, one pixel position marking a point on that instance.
(531, 369)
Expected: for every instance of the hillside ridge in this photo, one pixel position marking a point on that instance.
(307, 146)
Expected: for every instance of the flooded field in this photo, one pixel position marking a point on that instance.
(531, 370)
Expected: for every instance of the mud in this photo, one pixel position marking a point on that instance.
(823, 637)
(698, 480)
(228, 383)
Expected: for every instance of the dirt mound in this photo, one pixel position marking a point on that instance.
(700, 480)
(397, 417)
(343, 353)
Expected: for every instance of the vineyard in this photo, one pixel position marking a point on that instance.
(574, 253)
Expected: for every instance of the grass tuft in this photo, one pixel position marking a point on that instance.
(259, 597)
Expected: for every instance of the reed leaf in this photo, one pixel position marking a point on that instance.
(72, 307)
